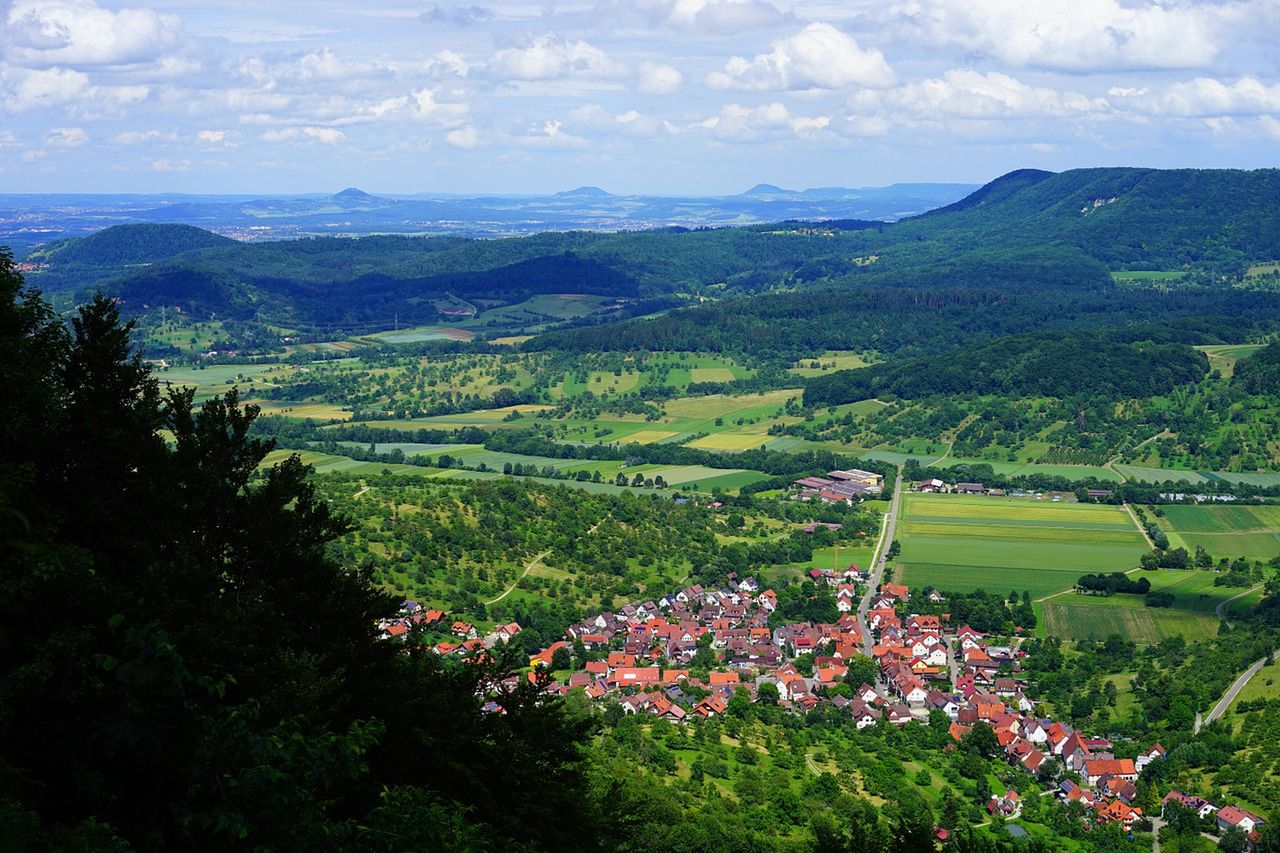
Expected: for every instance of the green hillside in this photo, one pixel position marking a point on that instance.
(128, 245)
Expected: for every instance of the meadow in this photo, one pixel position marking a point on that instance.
(962, 543)
(1224, 531)
(1089, 617)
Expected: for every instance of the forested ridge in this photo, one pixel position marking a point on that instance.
(1025, 233)
(1047, 364)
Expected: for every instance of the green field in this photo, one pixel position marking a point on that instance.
(1224, 531)
(1087, 617)
(1223, 358)
(1148, 275)
(828, 362)
(961, 543)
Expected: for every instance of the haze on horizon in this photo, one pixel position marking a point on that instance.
(661, 97)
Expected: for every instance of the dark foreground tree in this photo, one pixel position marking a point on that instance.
(183, 666)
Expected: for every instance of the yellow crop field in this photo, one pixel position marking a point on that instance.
(711, 374)
(647, 436)
(729, 441)
(315, 411)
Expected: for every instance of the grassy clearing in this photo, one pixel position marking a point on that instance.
(829, 362)
(1145, 625)
(1148, 275)
(1224, 358)
(1085, 617)
(961, 543)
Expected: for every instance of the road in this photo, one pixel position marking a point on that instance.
(877, 565)
(1141, 529)
(515, 583)
(1221, 604)
(1111, 463)
(1232, 692)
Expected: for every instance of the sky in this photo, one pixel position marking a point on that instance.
(660, 97)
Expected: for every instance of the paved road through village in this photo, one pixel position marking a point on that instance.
(877, 569)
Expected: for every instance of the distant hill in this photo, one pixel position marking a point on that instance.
(125, 245)
(352, 197)
(766, 190)
(584, 192)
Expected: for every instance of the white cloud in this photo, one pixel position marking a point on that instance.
(1072, 35)
(80, 32)
(66, 137)
(463, 137)
(139, 137)
(807, 124)
(551, 57)
(714, 16)
(864, 125)
(551, 135)
(965, 93)
(47, 88)
(736, 123)
(8, 139)
(163, 165)
(596, 120)
(459, 16)
(1270, 126)
(1205, 96)
(428, 109)
(658, 79)
(327, 135)
(211, 137)
(818, 57)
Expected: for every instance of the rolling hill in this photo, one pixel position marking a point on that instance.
(1029, 250)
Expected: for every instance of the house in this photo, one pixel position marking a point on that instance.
(930, 486)
(635, 676)
(1118, 811)
(396, 630)
(1234, 817)
(1155, 753)
(1202, 807)
(716, 679)
(463, 629)
(712, 706)
(1096, 768)
(898, 591)
(508, 632)
(970, 489)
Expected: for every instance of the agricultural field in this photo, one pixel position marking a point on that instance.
(962, 543)
(1131, 276)
(423, 333)
(214, 379)
(1193, 613)
(1223, 531)
(829, 362)
(1224, 358)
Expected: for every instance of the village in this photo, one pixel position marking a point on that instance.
(640, 657)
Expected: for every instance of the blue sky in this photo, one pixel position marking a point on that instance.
(636, 96)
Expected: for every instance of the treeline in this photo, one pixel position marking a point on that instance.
(1166, 492)
(1041, 365)
(1260, 372)
(984, 611)
(1110, 584)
